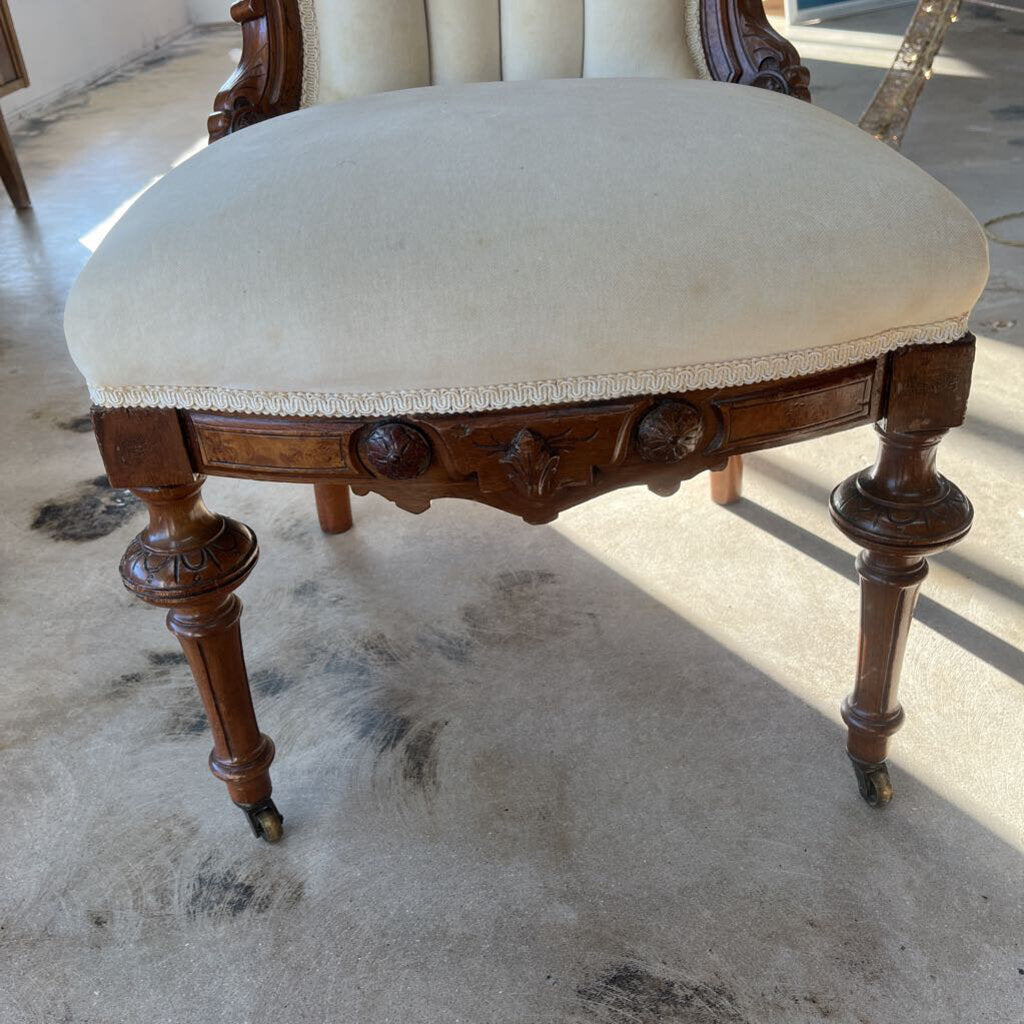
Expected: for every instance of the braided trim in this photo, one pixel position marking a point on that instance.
(482, 398)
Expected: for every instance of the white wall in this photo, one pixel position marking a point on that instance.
(69, 43)
(208, 12)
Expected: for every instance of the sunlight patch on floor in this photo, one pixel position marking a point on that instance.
(988, 806)
(92, 238)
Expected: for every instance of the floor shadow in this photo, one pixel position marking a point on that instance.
(799, 483)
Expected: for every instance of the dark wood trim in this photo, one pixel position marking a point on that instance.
(741, 46)
(268, 79)
(532, 462)
(190, 561)
(10, 170)
(142, 447)
(900, 510)
(18, 77)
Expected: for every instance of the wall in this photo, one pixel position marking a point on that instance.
(208, 12)
(69, 43)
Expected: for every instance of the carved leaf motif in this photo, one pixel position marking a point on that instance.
(532, 464)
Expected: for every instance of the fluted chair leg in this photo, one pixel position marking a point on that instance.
(900, 510)
(190, 561)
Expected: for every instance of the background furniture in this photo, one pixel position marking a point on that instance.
(12, 76)
(166, 415)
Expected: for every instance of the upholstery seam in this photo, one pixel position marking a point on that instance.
(554, 391)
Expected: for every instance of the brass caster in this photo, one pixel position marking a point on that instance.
(874, 783)
(265, 820)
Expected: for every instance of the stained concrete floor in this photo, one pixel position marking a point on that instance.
(586, 772)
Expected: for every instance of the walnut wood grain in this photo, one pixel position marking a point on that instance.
(900, 510)
(142, 446)
(268, 79)
(727, 484)
(190, 561)
(533, 463)
(740, 46)
(333, 507)
(537, 462)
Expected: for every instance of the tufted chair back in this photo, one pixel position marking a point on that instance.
(355, 47)
(297, 53)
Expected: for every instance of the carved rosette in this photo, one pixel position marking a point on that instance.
(169, 577)
(396, 451)
(670, 432)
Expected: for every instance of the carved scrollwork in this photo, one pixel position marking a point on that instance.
(901, 505)
(268, 79)
(670, 432)
(396, 451)
(873, 522)
(164, 576)
(740, 46)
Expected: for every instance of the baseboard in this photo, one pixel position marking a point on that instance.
(42, 105)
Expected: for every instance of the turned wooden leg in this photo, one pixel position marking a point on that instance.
(10, 170)
(190, 561)
(727, 484)
(900, 510)
(334, 507)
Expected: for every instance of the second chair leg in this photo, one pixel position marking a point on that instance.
(727, 484)
(900, 510)
(334, 507)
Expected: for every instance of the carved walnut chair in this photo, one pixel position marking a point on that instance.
(604, 266)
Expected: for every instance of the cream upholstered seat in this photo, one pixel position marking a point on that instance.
(615, 226)
(470, 247)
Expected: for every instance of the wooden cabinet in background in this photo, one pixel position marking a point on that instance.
(12, 76)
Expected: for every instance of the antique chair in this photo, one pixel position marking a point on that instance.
(613, 272)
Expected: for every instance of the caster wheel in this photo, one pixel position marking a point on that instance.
(266, 821)
(874, 783)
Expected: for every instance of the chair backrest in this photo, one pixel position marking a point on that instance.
(301, 52)
(367, 46)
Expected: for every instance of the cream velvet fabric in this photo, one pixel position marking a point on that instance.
(485, 246)
(358, 47)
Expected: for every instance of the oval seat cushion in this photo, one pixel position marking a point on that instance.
(455, 249)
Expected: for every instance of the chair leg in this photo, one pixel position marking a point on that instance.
(334, 507)
(190, 561)
(10, 170)
(900, 510)
(727, 484)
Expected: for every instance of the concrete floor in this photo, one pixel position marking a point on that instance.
(587, 772)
